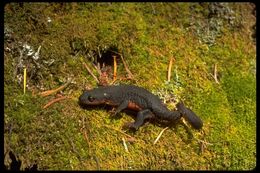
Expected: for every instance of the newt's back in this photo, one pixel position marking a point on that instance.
(114, 95)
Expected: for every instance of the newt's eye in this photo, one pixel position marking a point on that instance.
(91, 99)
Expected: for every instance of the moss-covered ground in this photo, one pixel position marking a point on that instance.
(198, 36)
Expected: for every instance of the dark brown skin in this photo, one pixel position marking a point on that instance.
(139, 99)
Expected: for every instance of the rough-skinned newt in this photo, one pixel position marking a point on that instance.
(141, 100)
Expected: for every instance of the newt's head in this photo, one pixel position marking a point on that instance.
(95, 96)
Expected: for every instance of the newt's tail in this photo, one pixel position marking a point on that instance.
(190, 116)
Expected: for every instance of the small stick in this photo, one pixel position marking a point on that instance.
(115, 68)
(160, 135)
(24, 80)
(54, 100)
(49, 92)
(86, 66)
(169, 69)
(124, 143)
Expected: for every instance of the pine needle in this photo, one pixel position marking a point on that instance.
(49, 92)
(54, 100)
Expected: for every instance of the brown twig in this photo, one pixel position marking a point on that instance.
(170, 69)
(160, 134)
(90, 72)
(54, 101)
(49, 92)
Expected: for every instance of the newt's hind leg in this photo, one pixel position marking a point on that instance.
(141, 117)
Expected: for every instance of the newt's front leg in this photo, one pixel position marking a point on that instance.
(121, 106)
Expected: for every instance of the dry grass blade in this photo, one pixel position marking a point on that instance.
(158, 137)
(215, 77)
(124, 143)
